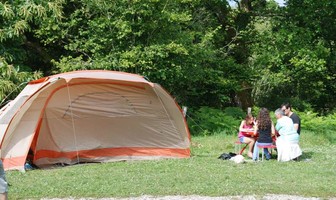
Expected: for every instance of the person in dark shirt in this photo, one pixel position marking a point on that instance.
(265, 129)
(287, 109)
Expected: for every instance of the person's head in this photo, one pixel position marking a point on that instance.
(278, 113)
(286, 108)
(264, 119)
(249, 119)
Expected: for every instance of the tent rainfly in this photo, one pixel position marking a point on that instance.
(91, 116)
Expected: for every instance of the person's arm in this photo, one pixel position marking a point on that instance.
(241, 129)
(296, 127)
(273, 130)
(241, 126)
(255, 128)
(278, 127)
(296, 121)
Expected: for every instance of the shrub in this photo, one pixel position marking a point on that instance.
(207, 121)
(325, 125)
(235, 112)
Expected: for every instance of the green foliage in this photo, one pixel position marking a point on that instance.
(208, 121)
(294, 55)
(17, 15)
(12, 80)
(235, 112)
(177, 44)
(320, 125)
(205, 53)
(18, 47)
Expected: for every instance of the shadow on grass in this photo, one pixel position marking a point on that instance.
(306, 155)
(201, 155)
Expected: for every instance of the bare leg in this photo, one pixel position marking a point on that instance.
(250, 142)
(3, 196)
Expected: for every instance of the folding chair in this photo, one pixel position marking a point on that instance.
(238, 148)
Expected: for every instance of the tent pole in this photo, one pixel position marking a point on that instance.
(73, 123)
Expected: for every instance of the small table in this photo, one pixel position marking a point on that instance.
(251, 134)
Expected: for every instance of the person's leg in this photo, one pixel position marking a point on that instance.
(295, 150)
(255, 151)
(3, 196)
(266, 152)
(250, 142)
(3, 183)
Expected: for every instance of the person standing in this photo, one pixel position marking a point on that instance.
(3, 183)
(265, 129)
(287, 109)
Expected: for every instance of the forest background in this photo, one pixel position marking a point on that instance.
(216, 57)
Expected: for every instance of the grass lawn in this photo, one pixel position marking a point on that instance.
(202, 174)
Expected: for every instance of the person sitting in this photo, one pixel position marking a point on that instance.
(288, 142)
(265, 129)
(246, 126)
(287, 109)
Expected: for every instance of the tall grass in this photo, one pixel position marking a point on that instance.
(202, 174)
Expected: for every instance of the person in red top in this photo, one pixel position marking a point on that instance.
(246, 127)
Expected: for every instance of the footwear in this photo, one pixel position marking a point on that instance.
(250, 155)
(295, 159)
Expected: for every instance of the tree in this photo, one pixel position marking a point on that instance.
(180, 44)
(12, 81)
(293, 58)
(18, 19)
(205, 52)
(318, 19)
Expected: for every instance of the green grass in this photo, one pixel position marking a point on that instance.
(202, 174)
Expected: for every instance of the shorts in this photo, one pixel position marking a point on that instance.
(3, 182)
(241, 139)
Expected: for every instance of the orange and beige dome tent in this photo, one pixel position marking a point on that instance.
(91, 116)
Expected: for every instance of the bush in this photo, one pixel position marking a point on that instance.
(207, 121)
(325, 125)
(235, 112)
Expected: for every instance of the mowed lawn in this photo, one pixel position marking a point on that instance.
(202, 174)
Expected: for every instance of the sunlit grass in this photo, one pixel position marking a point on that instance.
(202, 174)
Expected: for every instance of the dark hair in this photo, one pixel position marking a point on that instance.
(264, 119)
(287, 105)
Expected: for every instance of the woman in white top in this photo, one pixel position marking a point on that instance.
(288, 141)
